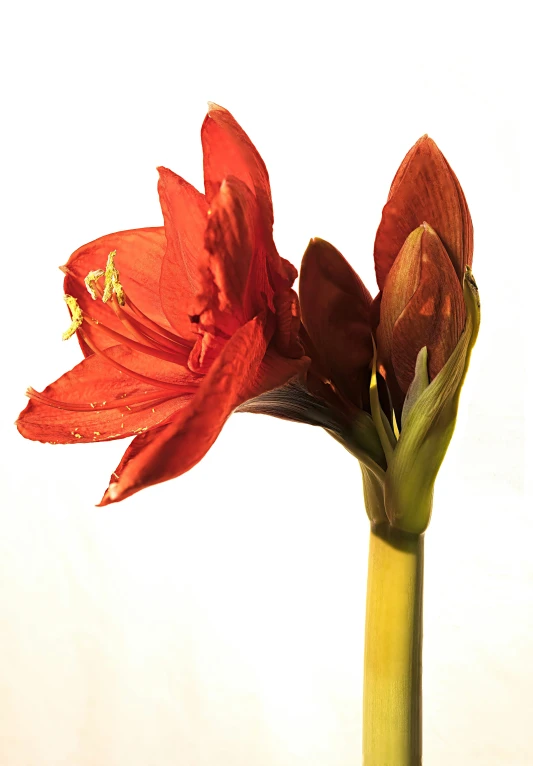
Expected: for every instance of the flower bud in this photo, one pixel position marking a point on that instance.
(422, 306)
(425, 188)
(429, 416)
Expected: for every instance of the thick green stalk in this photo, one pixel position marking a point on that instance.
(392, 698)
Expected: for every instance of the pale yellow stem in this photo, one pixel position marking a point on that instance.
(392, 699)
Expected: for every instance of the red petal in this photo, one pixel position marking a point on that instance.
(237, 286)
(286, 337)
(422, 305)
(205, 352)
(139, 257)
(425, 188)
(185, 215)
(228, 151)
(274, 371)
(95, 381)
(237, 263)
(174, 449)
(336, 314)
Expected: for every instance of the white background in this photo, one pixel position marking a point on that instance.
(218, 619)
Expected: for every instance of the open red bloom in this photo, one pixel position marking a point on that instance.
(179, 324)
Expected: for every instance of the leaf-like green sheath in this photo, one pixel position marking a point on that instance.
(428, 429)
(419, 384)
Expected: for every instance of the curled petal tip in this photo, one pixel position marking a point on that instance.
(427, 141)
(318, 242)
(215, 107)
(111, 495)
(429, 229)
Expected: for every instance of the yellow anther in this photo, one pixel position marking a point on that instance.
(90, 279)
(77, 316)
(112, 281)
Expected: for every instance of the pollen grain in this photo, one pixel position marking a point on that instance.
(112, 281)
(91, 279)
(76, 314)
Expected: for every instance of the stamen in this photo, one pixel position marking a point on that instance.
(156, 336)
(144, 378)
(112, 281)
(157, 328)
(159, 341)
(77, 316)
(114, 286)
(176, 357)
(140, 332)
(152, 398)
(91, 279)
(95, 290)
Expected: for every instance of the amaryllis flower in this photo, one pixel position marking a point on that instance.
(179, 324)
(386, 373)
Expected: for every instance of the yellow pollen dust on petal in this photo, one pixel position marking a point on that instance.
(112, 281)
(77, 316)
(90, 279)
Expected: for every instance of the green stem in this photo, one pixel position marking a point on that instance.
(392, 697)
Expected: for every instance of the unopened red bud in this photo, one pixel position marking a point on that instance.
(422, 305)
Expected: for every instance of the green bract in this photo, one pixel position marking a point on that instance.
(428, 421)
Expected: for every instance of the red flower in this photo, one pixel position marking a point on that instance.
(194, 318)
